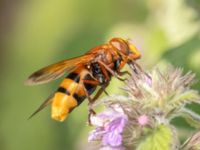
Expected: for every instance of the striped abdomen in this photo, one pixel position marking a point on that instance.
(71, 93)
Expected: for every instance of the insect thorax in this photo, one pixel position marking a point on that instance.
(97, 73)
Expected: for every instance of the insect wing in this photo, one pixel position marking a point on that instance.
(56, 70)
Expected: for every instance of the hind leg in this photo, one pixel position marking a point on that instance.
(98, 94)
(90, 99)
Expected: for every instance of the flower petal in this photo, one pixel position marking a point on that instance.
(117, 124)
(96, 134)
(112, 139)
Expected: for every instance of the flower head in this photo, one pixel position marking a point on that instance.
(153, 100)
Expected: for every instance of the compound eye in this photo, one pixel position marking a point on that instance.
(117, 45)
(120, 45)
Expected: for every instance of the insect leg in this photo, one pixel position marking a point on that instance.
(104, 71)
(123, 64)
(96, 83)
(91, 111)
(124, 73)
(100, 91)
(93, 82)
(91, 100)
(111, 71)
(104, 90)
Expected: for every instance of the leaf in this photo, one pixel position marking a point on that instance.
(191, 117)
(160, 138)
(187, 97)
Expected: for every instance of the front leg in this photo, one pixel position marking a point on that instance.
(124, 73)
(113, 73)
(100, 91)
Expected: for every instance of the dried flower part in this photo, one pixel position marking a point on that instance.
(193, 143)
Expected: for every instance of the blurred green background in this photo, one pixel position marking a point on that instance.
(36, 33)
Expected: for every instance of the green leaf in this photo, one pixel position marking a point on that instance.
(181, 99)
(160, 138)
(191, 117)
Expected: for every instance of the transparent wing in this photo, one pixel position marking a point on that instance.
(42, 106)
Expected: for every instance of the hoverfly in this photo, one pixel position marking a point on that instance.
(86, 73)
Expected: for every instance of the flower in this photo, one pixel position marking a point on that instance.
(114, 129)
(96, 134)
(109, 128)
(143, 120)
(112, 148)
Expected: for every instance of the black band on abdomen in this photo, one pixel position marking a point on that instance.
(63, 90)
(74, 76)
(78, 98)
(89, 87)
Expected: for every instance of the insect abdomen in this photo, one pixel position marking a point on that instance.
(70, 94)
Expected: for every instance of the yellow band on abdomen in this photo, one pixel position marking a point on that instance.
(62, 105)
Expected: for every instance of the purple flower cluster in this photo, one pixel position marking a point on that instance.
(109, 129)
(153, 100)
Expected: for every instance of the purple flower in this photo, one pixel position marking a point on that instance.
(143, 120)
(112, 138)
(114, 129)
(112, 148)
(96, 134)
(109, 128)
(148, 79)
